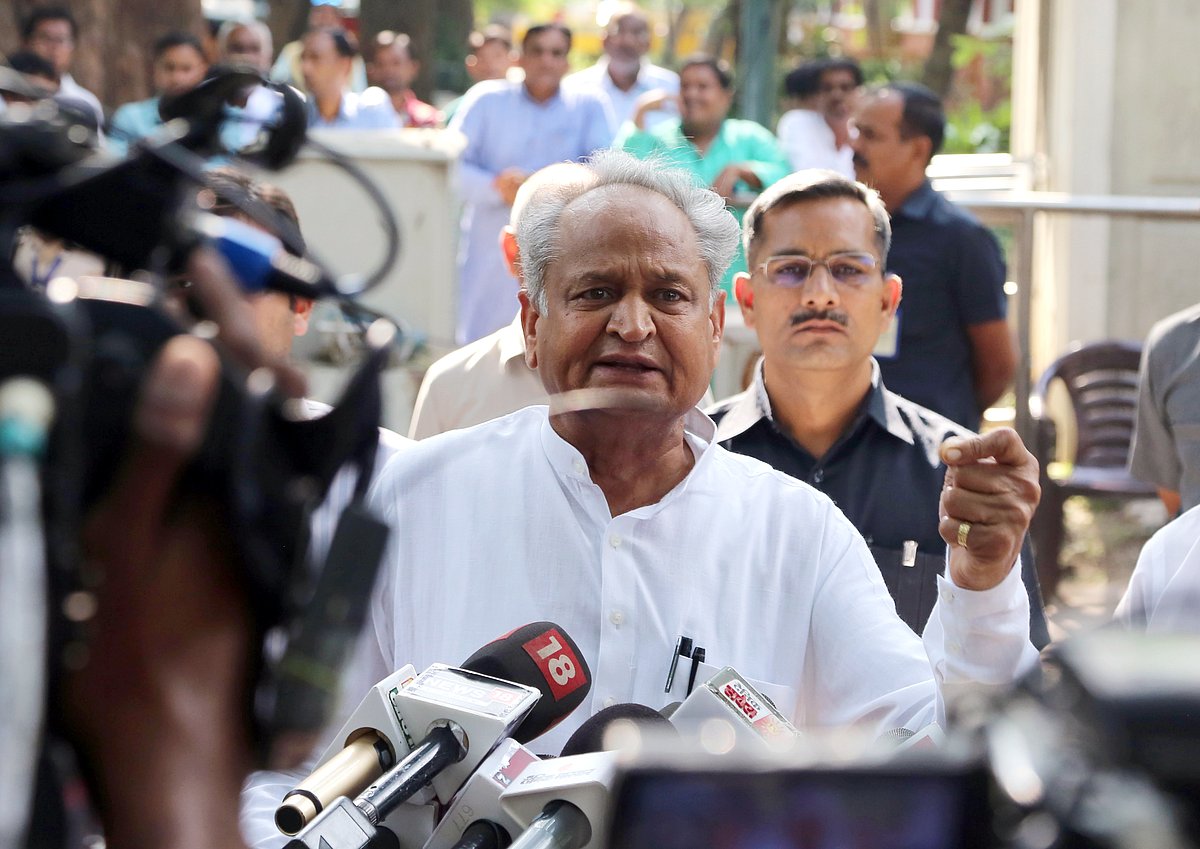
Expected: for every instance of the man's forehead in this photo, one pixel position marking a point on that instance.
(550, 39)
(786, 223)
(631, 22)
(602, 199)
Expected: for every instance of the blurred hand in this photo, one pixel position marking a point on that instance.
(652, 101)
(987, 502)
(160, 711)
(730, 176)
(507, 182)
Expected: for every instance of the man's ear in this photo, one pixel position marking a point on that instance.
(743, 290)
(893, 289)
(717, 317)
(508, 247)
(529, 320)
(301, 313)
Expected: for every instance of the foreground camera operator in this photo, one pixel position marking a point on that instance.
(158, 711)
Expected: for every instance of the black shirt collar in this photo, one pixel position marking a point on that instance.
(920, 203)
(754, 405)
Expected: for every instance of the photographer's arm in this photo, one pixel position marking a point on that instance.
(159, 714)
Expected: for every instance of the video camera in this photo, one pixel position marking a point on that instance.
(1097, 750)
(87, 343)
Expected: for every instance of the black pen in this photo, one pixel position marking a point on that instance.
(683, 647)
(697, 659)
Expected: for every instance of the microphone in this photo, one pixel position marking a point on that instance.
(367, 744)
(539, 652)
(463, 712)
(589, 737)
(563, 803)
(259, 260)
(751, 717)
(478, 803)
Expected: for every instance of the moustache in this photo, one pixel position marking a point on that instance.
(837, 316)
(859, 162)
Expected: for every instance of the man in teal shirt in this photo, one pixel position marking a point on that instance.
(735, 158)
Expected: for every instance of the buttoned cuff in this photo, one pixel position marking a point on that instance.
(984, 634)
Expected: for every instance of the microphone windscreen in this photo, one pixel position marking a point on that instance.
(538, 655)
(589, 737)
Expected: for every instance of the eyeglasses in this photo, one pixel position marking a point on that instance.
(792, 271)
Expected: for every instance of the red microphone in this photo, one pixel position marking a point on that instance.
(539, 651)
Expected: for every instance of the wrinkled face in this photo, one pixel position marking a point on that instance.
(246, 47)
(52, 40)
(822, 323)
(178, 69)
(628, 308)
(627, 39)
(704, 102)
(544, 61)
(392, 69)
(838, 94)
(325, 70)
(490, 61)
(882, 157)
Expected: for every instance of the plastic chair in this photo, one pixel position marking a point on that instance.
(1102, 382)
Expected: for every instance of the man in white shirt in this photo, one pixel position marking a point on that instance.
(51, 32)
(623, 74)
(617, 516)
(818, 135)
(1164, 590)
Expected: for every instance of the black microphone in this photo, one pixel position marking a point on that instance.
(478, 802)
(589, 737)
(542, 655)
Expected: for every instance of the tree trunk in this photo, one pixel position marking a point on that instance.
(116, 38)
(952, 21)
(454, 24)
(678, 16)
(877, 27)
(287, 20)
(724, 27)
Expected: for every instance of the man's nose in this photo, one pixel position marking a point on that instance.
(820, 289)
(631, 319)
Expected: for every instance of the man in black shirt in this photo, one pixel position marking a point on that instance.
(818, 298)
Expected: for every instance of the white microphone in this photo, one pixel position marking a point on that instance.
(479, 801)
(743, 713)
(371, 741)
(563, 803)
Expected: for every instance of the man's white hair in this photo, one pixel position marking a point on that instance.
(228, 28)
(537, 229)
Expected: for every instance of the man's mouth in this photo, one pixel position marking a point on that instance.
(629, 364)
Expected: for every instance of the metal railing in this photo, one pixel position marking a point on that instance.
(1020, 209)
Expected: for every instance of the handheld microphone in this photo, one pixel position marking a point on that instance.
(589, 737)
(750, 716)
(540, 654)
(478, 802)
(259, 260)
(563, 802)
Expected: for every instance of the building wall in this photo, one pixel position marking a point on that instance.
(1154, 266)
(1120, 115)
